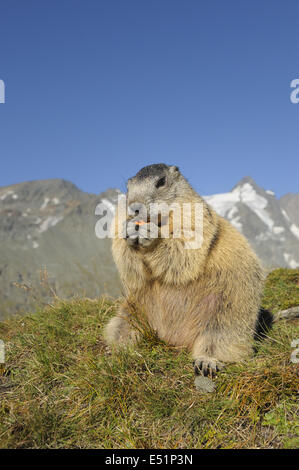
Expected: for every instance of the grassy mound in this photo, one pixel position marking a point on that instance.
(63, 388)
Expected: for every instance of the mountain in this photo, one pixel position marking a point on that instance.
(290, 207)
(48, 242)
(271, 225)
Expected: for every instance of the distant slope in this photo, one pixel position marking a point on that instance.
(290, 205)
(50, 225)
(261, 217)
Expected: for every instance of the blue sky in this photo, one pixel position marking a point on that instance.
(96, 89)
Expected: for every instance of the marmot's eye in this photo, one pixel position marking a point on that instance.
(161, 182)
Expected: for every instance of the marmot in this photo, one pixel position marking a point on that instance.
(206, 299)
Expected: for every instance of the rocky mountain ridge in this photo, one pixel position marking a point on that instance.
(267, 222)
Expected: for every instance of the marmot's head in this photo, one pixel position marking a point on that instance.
(158, 183)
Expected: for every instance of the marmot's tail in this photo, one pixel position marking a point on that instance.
(266, 319)
(264, 323)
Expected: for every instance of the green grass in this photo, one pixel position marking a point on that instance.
(63, 388)
(281, 289)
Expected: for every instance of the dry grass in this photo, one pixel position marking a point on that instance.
(63, 388)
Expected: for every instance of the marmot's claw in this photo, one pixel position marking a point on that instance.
(132, 239)
(207, 366)
(145, 241)
(132, 233)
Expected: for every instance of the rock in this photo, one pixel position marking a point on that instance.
(288, 314)
(204, 384)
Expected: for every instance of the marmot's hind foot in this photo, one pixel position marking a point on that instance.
(207, 366)
(119, 332)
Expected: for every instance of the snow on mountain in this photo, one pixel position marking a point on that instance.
(290, 208)
(259, 215)
(295, 230)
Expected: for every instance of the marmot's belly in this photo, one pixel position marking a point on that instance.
(178, 315)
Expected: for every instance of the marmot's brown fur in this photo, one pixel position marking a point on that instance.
(205, 299)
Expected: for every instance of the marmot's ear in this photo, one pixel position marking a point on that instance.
(174, 169)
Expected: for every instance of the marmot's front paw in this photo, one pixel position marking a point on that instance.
(207, 366)
(141, 235)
